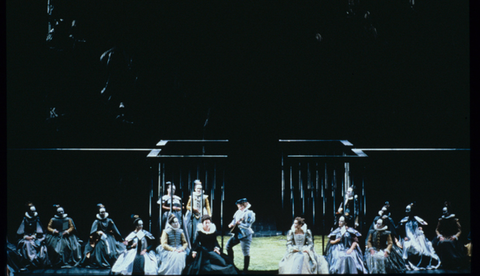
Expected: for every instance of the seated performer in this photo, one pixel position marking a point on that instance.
(242, 229)
(418, 251)
(197, 206)
(343, 252)
(103, 248)
(171, 201)
(13, 259)
(396, 263)
(446, 243)
(63, 245)
(173, 249)
(31, 245)
(300, 257)
(379, 247)
(206, 256)
(138, 258)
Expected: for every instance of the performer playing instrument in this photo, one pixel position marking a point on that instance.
(241, 226)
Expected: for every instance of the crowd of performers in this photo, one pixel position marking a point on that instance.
(389, 247)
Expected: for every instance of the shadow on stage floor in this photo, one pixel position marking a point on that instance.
(67, 271)
(91, 271)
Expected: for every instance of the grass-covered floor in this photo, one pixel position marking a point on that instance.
(265, 252)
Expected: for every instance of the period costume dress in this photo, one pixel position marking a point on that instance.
(192, 219)
(104, 249)
(131, 261)
(64, 250)
(172, 262)
(31, 245)
(339, 261)
(418, 251)
(380, 241)
(396, 263)
(450, 250)
(301, 262)
(13, 259)
(207, 261)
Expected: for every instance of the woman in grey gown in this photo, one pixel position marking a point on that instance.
(105, 242)
(31, 245)
(418, 251)
(173, 250)
(344, 255)
(301, 257)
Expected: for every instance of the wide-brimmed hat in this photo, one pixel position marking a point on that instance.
(241, 201)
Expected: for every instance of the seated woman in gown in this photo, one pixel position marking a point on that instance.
(63, 245)
(343, 252)
(300, 257)
(173, 249)
(138, 258)
(205, 256)
(105, 242)
(447, 245)
(418, 251)
(31, 246)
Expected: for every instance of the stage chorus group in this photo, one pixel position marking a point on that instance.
(389, 248)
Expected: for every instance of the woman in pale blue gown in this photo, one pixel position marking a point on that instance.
(300, 257)
(173, 249)
(418, 251)
(344, 255)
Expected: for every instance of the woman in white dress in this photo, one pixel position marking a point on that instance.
(138, 258)
(173, 249)
(300, 257)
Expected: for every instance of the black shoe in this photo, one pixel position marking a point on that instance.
(246, 263)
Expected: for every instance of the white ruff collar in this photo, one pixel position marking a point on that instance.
(28, 216)
(199, 194)
(447, 217)
(304, 229)
(63, 216)
(169, 226)
(380, 229)
(213, 228)
(100, 218)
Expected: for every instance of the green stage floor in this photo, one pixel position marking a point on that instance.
(265, 252)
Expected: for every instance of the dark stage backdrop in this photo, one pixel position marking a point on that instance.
(258, 73)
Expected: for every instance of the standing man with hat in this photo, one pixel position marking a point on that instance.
(241, 226)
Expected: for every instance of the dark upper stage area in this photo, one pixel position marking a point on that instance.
(387, 75)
